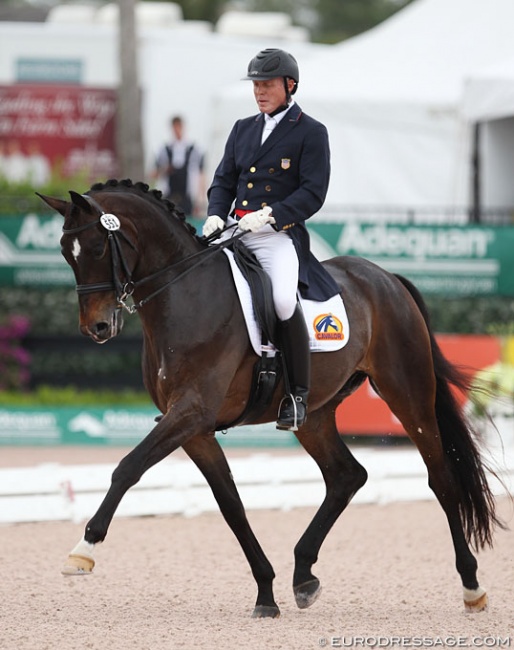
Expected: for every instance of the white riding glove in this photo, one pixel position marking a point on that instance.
(254, 221)
(212, 224)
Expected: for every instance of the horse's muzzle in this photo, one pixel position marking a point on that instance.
(102, 331)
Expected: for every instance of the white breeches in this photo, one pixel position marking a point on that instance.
(277, 255)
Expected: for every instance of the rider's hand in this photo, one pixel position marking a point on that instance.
(254, 221)
(212, 224)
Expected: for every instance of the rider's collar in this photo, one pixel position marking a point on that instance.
(279, 112)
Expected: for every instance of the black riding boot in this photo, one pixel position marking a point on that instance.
(294, 339)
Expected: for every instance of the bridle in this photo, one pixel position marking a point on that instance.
(125, 288)
(119, 264)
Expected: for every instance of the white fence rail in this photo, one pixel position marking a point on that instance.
(53, 492)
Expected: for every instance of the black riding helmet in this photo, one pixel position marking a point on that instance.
(271, 63)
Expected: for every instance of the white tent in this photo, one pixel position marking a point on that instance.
(489, 92)
(391, 99)
(181, 64)
(488, 101)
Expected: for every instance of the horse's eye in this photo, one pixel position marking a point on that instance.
(98, 250)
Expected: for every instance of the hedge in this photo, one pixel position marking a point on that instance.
(56, 311)
(20, 198)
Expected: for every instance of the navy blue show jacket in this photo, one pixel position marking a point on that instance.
(290, 172)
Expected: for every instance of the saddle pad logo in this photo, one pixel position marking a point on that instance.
(328, 327)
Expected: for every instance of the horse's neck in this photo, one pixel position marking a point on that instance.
(167, 266)
(197, 297)
(166, 248)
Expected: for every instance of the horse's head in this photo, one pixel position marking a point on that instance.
(101, 248)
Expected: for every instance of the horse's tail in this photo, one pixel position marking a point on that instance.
(477, 504)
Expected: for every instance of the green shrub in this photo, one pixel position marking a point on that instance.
(54, 311)
(473, 315)
(20, 198)
(69, 396)
(14, 359)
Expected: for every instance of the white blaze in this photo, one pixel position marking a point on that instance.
(75, 251)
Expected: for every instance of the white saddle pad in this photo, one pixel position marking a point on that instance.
(327, 321)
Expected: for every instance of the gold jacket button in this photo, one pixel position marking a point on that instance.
(245, 202)
(253, 170)
(249, 186)
(268, 188)
(271, 170)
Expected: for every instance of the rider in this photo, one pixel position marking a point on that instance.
(273, 176)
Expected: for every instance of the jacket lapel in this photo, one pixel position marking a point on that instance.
(283, 128)
(255, 136)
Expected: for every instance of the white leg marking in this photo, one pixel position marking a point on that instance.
(80, 560)
(84, 548)
(473, 594)
(475, 600)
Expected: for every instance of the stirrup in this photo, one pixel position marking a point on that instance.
(292, 413)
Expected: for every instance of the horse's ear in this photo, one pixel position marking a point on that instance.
(57, 204)
(81, 202)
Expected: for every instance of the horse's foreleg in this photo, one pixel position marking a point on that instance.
(343, 476)
(158, 444)
(210, 459)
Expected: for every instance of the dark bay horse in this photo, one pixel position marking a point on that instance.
(123, 239)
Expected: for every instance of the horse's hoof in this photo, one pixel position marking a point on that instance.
(307, 594)
(478, 604)
(78, 565)
(266, 611)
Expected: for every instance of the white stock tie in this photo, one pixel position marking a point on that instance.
(269, 124)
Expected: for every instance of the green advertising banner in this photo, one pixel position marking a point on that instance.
(447, 260)
(439, 259)
(47, 426)
(30, 253)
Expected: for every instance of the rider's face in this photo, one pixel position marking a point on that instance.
(269, 94)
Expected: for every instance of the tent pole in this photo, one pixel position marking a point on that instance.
(475, 215)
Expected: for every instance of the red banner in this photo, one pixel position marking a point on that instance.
(63, 127)
(364, 413)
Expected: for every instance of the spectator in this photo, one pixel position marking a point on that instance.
(38, 167)
(179, 165)
(15, 163)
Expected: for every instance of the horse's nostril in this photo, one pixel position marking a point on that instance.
(101, 328)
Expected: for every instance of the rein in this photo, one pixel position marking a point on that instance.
(203, 255)
(125, 290)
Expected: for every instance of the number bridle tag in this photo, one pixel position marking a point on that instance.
(110, 222)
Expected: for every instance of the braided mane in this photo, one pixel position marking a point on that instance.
(143, 189)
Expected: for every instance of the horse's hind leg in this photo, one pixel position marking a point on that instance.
(416, 411)
(447, 491)
(343, 476)
(208, 456)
